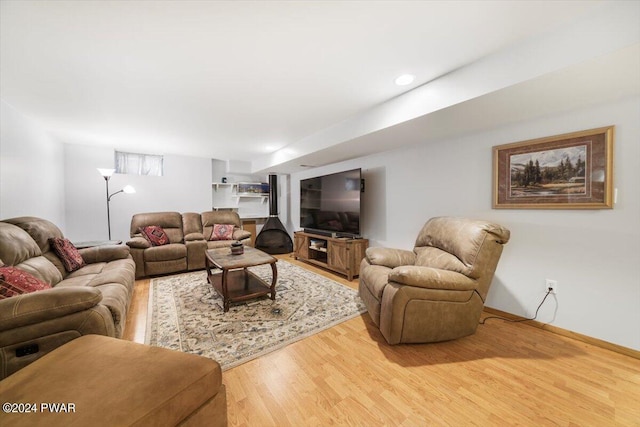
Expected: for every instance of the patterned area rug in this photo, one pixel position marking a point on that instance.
(185, 313)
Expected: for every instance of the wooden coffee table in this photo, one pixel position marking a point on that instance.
(235, 283)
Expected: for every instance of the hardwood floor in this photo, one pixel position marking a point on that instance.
(506, 374)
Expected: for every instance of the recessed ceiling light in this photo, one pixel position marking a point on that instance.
(405, 79)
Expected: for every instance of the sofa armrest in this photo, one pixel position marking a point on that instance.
(32, 325)
(431, 278)
(389, 257)
(139, 243)
(105, 253)
(37, 307)
(193, 236)
(240, 234)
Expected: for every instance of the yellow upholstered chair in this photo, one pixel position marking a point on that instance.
(437, 291)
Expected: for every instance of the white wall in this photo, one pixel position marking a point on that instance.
(593, 254)
(185, 187)
(31, 169)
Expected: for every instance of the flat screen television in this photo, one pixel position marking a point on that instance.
(330, 204)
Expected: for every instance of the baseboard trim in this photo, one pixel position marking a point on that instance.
(569, 334)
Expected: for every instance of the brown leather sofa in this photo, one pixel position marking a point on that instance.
(91, 300)
(188, 240)
(104, 381)
(435, 292)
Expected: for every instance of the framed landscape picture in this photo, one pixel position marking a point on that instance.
(570, 171)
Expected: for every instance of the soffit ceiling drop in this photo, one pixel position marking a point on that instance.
(247, 80)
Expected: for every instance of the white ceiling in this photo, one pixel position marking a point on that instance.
(240, 80)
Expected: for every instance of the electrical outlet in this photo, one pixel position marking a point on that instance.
(552, 286)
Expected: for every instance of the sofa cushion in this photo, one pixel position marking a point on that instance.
(14, 281)
(428, 256)
(104, 253)
(16, 245)
(68, 254)
(220, 217)
(155, 235)
(168, 252)
(171, 223)
(240, 234)
(222, 232)
(209, 219)
(40, 230)
(42, 268)
(438, 247)
(117, 271)
(191, 223)
(101, 273)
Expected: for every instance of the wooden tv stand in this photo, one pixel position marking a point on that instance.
(340, 254)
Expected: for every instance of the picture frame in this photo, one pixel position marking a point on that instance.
(568, 171)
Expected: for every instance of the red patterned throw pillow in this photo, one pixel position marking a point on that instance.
(222, 232)
(14, 281)
(155, 235)
(68, 254)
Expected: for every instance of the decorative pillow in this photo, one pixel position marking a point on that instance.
(68, 254)
(222, 232)
(155, 235)
(14, 281)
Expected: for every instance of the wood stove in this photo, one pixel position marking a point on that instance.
(274, 238)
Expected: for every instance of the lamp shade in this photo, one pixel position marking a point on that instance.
(129, 189)
(106, 172)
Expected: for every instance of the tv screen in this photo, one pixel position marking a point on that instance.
(331, 203)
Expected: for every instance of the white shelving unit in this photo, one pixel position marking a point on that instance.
(217, 185)
(232, 193)
(228, 195)
(263, 197)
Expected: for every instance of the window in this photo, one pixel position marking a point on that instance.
(138, 164)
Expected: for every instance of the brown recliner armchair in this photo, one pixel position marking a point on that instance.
(437, 291)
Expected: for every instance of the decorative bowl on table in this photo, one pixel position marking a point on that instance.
(237, 248)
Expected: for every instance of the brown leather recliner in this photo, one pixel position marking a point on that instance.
(153, 260)
(437, 291)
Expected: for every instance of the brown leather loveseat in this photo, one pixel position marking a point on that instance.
(93, 299)
(189, 237)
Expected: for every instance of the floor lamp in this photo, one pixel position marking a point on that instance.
(106, 174)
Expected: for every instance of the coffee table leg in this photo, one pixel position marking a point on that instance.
(274, 279)
(208, 271)
(225, 291)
